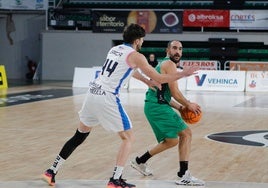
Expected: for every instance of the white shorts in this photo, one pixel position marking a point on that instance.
(105, 109)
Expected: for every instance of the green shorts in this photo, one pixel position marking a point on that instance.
(165, 122)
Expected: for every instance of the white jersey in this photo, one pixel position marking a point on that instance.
(116, 70)
(102, 104)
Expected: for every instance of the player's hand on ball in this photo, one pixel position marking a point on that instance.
(192, 113)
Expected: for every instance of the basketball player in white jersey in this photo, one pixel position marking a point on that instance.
(102, 104)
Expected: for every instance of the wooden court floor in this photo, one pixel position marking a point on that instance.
(32, 133)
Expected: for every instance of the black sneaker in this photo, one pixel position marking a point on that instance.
(119, 183)
(49, 177)
(125, 184)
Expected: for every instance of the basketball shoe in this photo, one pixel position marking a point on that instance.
(142, 168)
(119, 183)
(49, 177)
(188, 179)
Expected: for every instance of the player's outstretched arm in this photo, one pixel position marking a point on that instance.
(149, 82)
(138, 60)
(190, 70)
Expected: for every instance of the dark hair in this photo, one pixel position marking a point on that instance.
(133, 32)
(169, 43)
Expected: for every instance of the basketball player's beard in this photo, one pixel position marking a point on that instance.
(174, 60)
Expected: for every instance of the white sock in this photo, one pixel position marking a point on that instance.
(57, 163)
(118, 170)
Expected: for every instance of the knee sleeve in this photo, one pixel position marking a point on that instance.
(72, 144)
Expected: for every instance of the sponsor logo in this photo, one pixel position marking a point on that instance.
(192, 17)
(243, 17)
(34, 96)
(109, 21)
(199, 81)
(204, 65)
(21, 98)
(204, 17)
(215, 81)
(252, 84)
(249, 138)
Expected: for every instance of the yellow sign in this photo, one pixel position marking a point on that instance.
(3, 77)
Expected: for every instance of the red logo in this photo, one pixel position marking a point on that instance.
(206, 18)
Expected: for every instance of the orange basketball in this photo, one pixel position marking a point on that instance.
(190, 117)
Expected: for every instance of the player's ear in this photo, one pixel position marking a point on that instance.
(137, 41)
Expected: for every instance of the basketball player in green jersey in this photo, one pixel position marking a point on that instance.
(169, 128)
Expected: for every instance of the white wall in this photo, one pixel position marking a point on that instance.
(26, 43)
(63, 51)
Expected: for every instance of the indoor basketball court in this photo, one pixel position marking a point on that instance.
(229, 146)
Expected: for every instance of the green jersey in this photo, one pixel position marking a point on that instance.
(162, 96)
(165, 122)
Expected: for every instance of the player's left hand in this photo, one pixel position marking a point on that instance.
(194, 107)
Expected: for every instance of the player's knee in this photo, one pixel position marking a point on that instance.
(186, 134)
(127, 136)
(72, 144)
(174, 142)
(171, 142)
(79, 138)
